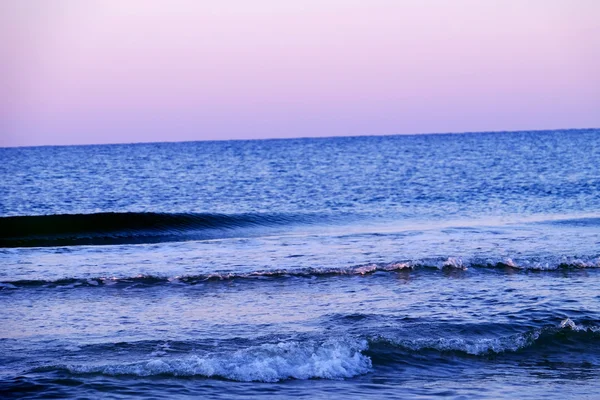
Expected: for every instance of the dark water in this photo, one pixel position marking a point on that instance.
(405, 266)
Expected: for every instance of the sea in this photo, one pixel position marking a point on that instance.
(419, 266)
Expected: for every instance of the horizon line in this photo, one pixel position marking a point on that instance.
(302, 137)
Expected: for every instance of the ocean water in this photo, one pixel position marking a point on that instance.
(462, 266)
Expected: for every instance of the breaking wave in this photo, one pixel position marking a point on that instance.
(456, 264)
(332, 359)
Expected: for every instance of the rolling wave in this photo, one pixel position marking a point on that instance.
(133, 228)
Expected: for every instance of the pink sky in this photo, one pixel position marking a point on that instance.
(108, 71)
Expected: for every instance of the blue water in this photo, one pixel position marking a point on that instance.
(463, 265)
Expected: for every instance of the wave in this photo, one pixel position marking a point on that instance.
(331, 359)
(133, 228)
(200, 278)
(339, 357)
(455, 264)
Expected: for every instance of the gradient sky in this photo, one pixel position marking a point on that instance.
(107, 71)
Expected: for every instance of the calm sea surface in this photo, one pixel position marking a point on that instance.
(462, 265)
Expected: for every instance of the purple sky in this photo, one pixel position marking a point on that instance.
(107, 71)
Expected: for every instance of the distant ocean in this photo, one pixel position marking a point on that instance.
(454, 265)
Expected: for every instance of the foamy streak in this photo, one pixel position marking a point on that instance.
(333, 359)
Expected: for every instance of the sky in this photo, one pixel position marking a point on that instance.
(121, 71)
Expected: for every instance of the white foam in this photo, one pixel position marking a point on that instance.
(569, 324)
(453, 262)
(397, 266)
(362, 270)
(333, 359)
